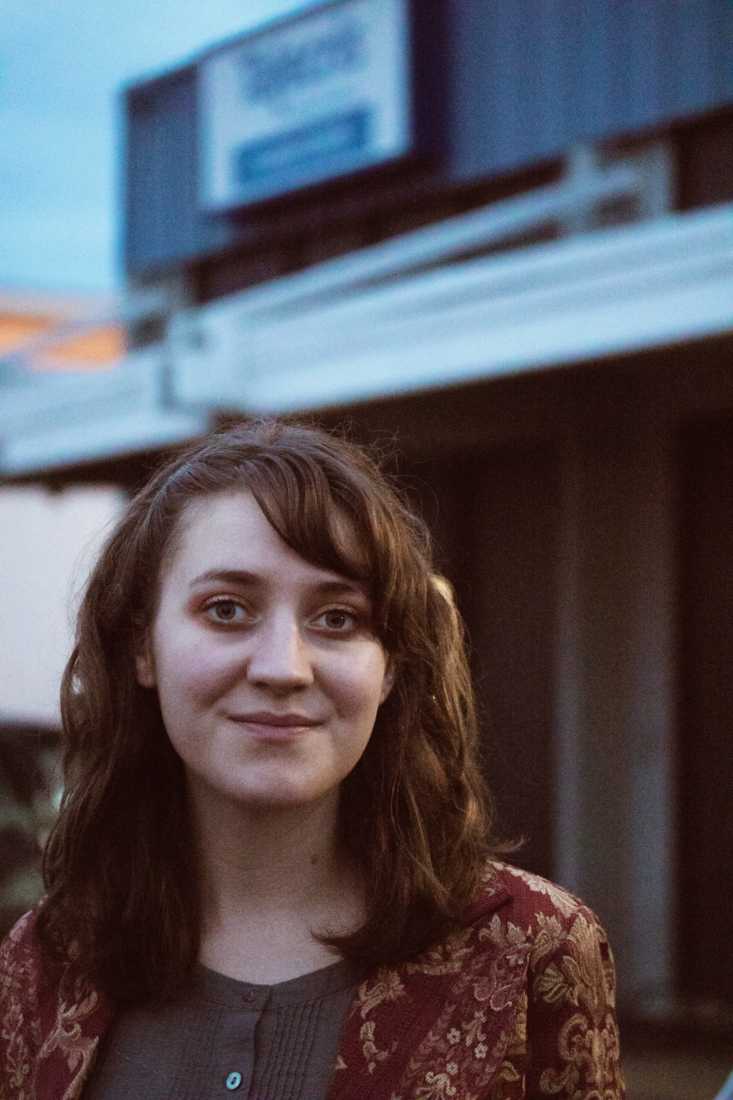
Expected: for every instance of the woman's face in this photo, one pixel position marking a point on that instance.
(268, 674)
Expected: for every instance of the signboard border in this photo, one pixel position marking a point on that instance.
(422, 91)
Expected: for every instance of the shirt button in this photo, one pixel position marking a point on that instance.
(248, 997)
(233, 1081)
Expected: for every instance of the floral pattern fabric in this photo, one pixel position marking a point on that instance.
(517, 1005)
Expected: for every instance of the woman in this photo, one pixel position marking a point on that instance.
(272, 874)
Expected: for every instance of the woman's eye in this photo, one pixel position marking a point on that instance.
(225, 611)
(337, 619)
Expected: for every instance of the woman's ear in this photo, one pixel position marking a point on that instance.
(144, 663)
(388, 681)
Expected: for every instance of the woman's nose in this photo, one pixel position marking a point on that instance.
(280, 657)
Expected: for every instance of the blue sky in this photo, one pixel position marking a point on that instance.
(62, 63)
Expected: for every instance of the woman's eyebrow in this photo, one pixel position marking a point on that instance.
(327, 587)
(341, 588)
(226, 576)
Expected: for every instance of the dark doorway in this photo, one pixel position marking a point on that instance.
(495, 518)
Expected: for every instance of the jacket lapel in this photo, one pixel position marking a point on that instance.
(438, 1026)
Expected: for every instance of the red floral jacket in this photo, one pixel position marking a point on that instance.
(519, 1003)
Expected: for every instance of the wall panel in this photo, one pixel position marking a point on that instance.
(706, 704)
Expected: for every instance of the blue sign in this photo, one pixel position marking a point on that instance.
(340, 136)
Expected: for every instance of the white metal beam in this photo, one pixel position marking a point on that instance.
(48, 421)
(607, 293)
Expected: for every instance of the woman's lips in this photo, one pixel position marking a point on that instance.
(272, 718)
(274, 727)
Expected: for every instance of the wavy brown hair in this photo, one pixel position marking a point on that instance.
(415, 816)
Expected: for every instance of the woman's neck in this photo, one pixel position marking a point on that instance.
(271, 878)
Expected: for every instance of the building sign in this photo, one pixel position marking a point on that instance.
(306, 101)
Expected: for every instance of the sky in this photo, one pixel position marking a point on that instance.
(62, 65)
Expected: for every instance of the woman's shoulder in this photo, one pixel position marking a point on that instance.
(26, 976)
(569, 978)
(526, 896)
(49, 1013)
(32, 976)
(20, 951)
(519, 908)
(20, 982)
(562, 939)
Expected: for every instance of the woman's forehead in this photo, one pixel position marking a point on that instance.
(234, 523)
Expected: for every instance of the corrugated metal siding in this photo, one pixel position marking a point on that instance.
(162, 214)
(164, 224)
(525, 80)
(531, 77)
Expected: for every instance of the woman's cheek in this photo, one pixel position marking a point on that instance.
(202, 669)
(359, 677)
(214, 670)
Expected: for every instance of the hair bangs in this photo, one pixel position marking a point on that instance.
(316, 520)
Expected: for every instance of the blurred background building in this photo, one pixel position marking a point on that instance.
(496, 239)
